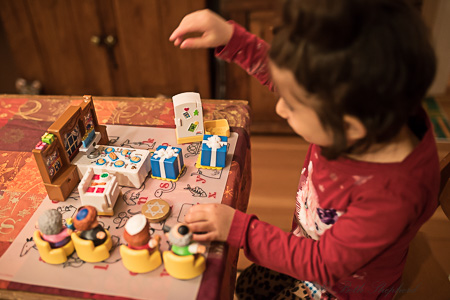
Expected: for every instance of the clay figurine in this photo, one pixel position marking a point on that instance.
(86, 222)
(142, 253)
(92, 242)
(52, 230)
(183, 261)
(137, 234)
(53, 238)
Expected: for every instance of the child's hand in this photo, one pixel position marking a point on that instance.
(212, 219)
(214, 29)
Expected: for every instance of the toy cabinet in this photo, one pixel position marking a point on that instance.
(104, 47)
(59, 176)
(60, 145)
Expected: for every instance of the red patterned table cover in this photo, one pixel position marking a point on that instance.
(25, 118)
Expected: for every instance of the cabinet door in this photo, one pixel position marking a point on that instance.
(48, 44)
(263, 101)
(258, 17)
(51, 41)
(151, 63)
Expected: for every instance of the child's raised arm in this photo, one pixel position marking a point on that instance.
(214, 30)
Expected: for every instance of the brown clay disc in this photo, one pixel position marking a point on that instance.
(156, 210)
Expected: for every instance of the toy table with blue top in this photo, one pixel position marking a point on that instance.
(24, 119)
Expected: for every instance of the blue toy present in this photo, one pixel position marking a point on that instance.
(167, 163)
(214, 151)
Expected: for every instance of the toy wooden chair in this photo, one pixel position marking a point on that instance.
(88, 252)
(140, 261)
(184, 267)
(423, 275)
(52, 256)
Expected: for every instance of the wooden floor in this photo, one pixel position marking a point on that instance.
(275, 180)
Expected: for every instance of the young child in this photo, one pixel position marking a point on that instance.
(351, 75)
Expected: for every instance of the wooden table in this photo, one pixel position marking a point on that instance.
(24, 119)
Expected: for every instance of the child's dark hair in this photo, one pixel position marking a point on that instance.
(371, 59)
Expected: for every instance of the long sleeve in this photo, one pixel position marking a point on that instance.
(249, 52)
(371, 225)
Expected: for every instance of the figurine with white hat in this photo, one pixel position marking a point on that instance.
(142, 254)
(137, 234)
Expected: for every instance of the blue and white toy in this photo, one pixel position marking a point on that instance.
(167, 163)
(214, 152)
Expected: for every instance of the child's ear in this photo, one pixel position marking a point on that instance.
(354, 128)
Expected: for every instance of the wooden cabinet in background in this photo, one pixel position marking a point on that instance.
(104, 47)
(257, 16)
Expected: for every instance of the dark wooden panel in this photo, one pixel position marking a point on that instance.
(258, 17)
(153, 65)
(21, 39)
(51, 42)
(97, 75)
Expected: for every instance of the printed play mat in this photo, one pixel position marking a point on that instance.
(21, 262)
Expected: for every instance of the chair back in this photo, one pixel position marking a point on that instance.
(49, 255)
(88, 252)
(423, 276)
(140, 261)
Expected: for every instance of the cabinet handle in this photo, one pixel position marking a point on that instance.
(95, 39)
(109, 41)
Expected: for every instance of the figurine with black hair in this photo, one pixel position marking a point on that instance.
(184, 260)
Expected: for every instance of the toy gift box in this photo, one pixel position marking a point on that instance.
(214, 151)
(167, 162)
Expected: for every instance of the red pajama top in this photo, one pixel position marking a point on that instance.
(353, 220)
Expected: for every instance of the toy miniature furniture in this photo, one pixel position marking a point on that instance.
(188, 112)
(130, 166)
(184, 267)
(27, 118)
(52, 256)
(88, 252)
(140, 261)
(217, 127)
(167, 163)
(71, 131)
(423, 274)
(100, 191)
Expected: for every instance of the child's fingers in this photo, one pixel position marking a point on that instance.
(204, 237)
(198, 42)
(196, 215)
(202, 226)
(187, 25)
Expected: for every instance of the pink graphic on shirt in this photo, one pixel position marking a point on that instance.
(313, 219)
